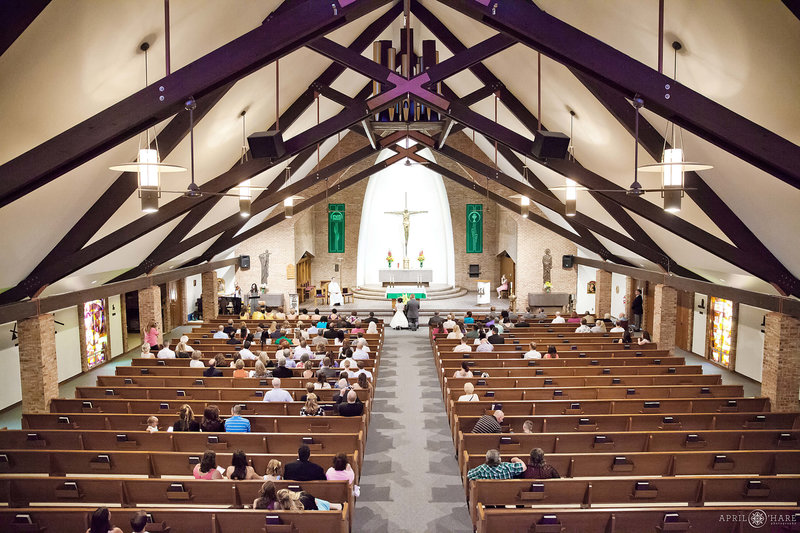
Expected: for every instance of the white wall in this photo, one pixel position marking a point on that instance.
(115, 325)
(194, 290)
(618, 284)
(699, 325)
(68, 343)
(229, 275)
(431, 231)
(750, 342)
(10, 389)
(584, 302)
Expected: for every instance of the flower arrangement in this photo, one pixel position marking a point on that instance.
(389, 258)
(548, 286)
(263, 288)
(421, 258)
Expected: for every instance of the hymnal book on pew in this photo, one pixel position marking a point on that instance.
(294, 488)
(548, 381)
(497, 406)
(122, 437)
(639, 354)
(558, 392)
(199, 382)
(327, 407)
(259, 393)
(308, 440)
(3, 458)
(573, 347)
(505, 440)
(620, 459)
(539, 371)
(582, 354)
(642, 485)
(273, 520)
(194, 459)
(69, 485)
(262, 382)
(150, 518)
(671, 370)
(465, 356)
(532, 362)
(537, 487)
(575, 405)
(175, 487)
(652, 405)
(549, 519)
(606, 371)
(109, 392)
(518, 348)
(22, 519)
(627, 346)
(656, 361)
(161, 363)
(481, 383)
(180, 393)
(213, 439)
(144, 371)
(594, 362)
(600, 439)
(243, 406)
(630, 391)
(63, 420)
(128, 381)
(705, 390)
(616, 381)
(565, 341)
(668, 420)
(584, 421)
(671, 517)
(489, 394)
(87, 405)
(163, 406)
(33, 436)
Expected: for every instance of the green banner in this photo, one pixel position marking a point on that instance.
(335, 228)
(474, 228)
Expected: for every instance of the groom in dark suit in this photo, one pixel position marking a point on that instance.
(412, 312)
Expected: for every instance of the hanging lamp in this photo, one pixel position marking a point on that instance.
(148, 165)
(672, 165)
(571, 188)
(245, 192)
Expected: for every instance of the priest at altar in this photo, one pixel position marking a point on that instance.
(335, 292)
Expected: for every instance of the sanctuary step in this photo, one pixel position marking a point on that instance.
(434, 292)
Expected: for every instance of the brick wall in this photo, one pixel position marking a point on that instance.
(38, 363)
(780, 374)
(279, 240)
(209, 294)
(532, 241)
(665, 313)
(150, 310)
(602, 295)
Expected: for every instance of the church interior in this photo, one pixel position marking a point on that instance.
(307, 218)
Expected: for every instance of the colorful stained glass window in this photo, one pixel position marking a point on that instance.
(721, 330)
(96, 331)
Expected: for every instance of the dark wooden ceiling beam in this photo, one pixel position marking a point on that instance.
(275, 38)
(17, 16)
(699, 191)
(687, 108)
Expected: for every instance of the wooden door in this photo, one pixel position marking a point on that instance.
(649, 301)
(508, 268)
(683, 321)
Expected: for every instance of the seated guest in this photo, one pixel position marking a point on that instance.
(309, 390)
(274, 470)
(237, 424)
(362, 370)
(495, 337)
(599, 327)
(357, 328)
(463, 346)
(623, 319)
(340, 470)
(484, 346)
(321, 383)
(494, 468)
(552, 353)
(617, 328)
(574, 318)
(165, 352)
(212, 371)
(100, 522)
(362, 383)
(532, 353)
(138, 522)
(558, 319)
(326, 368)
(538, 468)
(196, 361)
(353, 407)
(288, 500)
(449, 323)
(528, 314)
(626, 338)
(489, 423)
(282, 371)
(360, 352)
(645, 338)
(267, 497)
(372, 328)
(303, 469)
(589, 318)
(245, 351)
(277, 394)
(303, 348)
(207, 467)
(435, 320)
(607, 319)
(469, 393)
(236, 357)
(463, 372)
(468, 319)
(211, 421)
(540, 314)
(456, 332)
(239, 469)
(521, 323)
(527, 426)
(474, 332)
(186, 421)
(303, 314)
(146, 353)
(152, 424)
(183, 349)
(583, 328)
(260, 371)
(229, 329)
(319, 340)
(240, 372)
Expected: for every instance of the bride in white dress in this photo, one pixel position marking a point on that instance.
(399, 319)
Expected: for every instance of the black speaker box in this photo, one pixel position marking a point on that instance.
(550, 145)
(266, 144)
(244, 262)
(567, 261)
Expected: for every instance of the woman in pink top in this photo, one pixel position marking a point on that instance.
(207, 467)
(151, 335)
(340, 469)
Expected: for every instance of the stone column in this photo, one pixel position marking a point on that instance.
(780, 373)
(209, 280)
(167, 310)
(602, 295)
(150, 311)
(38, 364)
(181, 295)
(665, 314)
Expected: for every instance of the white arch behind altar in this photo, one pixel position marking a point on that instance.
(430, 232)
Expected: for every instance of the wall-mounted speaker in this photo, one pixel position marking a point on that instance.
(244, 262)
(266, 144)
(567, 261)
(550, 145)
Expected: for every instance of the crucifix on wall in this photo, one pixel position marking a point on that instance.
(264, 258)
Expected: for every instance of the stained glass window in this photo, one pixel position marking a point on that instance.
(721, 330)
(96, 331)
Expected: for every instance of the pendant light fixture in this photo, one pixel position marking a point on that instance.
(672, 165)
(571, 188)
(148, 165)
(245, 192)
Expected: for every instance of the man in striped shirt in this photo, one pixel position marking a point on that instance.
(494, 468)
(489, 423)
(237, 424)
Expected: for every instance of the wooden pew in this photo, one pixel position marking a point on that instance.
(183, 382)
(184, 520)
(208, 394)
(617, 520)
(610, 392)
(692, 491)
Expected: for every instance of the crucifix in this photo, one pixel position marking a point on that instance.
(406, 214)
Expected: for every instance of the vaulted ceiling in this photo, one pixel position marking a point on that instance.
(72, 103)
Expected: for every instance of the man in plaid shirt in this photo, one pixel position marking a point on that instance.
(494, 468)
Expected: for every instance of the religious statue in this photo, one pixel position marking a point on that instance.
(406, 214)
(264, 258)
(547, 265)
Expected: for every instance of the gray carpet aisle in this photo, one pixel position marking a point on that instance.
(409, 481)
